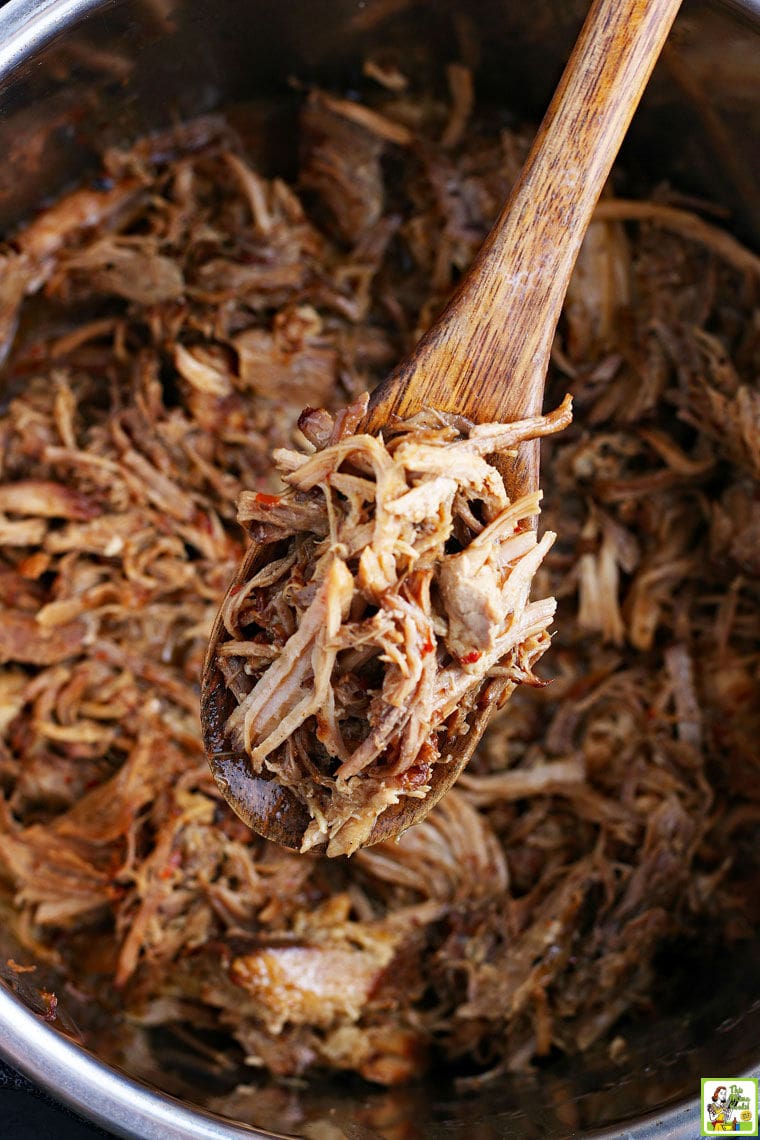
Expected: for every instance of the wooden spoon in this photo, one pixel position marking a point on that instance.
(487, 355)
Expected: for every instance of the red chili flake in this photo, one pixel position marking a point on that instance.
(266, 500)
(203, 522)
(236, 589)
(416, 776)
(428, 647)
(471, 658)
(172, 864)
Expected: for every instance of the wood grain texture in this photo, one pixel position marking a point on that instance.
(487, 355)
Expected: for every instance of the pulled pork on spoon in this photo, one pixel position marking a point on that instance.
(400, 583)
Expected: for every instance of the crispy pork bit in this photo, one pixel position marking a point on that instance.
(406, 583)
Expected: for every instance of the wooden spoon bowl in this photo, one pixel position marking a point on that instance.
(269, 808)
(486, 356)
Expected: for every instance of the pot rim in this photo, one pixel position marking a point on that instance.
(119, 1103)
(27, 25)
(130, 1108)
(102, 1094)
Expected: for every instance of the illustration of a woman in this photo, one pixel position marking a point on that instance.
(719, 1111)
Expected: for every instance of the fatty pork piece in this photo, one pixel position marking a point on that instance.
(400, 582)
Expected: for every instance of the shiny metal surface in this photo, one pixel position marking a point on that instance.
(27, 25)
(216, 48)
(131, 1109)
(123, 1106)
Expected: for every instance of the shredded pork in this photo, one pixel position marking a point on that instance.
(162, 330)
(402, 582)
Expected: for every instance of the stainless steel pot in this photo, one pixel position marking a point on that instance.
(77, 74)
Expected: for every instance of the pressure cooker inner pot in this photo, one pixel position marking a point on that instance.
(119, 70)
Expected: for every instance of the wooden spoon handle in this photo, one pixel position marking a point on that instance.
(487, 355)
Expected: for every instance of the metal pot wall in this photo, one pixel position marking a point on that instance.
(76, 75)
